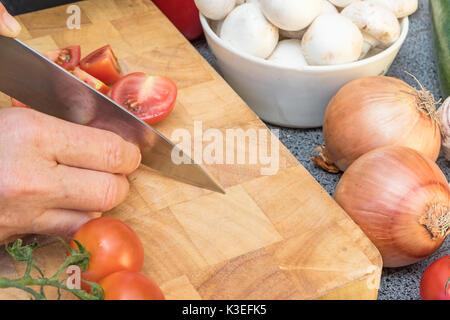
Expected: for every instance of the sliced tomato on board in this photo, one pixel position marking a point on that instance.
(68, 58)
(90, 80)
(102, 64)
(151, 98)
(17, 103)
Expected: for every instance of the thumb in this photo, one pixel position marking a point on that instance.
(9, 27)
(61, 222)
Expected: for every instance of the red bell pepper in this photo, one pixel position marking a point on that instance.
(184, 15)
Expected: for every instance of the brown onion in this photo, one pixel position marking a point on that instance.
(400, 199)
(374, 112)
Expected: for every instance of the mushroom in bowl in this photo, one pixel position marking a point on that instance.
(280, 87)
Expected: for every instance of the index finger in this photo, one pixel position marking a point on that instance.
(9, 27)
(90, 148)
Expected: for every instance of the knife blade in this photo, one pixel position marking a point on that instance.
(36, 81)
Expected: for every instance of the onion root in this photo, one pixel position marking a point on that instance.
(426, 102)
(320, 158)
(436, 220)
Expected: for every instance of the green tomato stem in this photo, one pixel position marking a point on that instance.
(24, 253)
(7, 283)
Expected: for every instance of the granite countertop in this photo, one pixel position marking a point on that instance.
(416, 56)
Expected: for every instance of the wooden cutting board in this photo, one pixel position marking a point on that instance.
(270, 237)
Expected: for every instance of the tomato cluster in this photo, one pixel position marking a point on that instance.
(151, 98)
(117, 257)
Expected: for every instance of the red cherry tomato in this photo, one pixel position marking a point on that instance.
(68, 58)
(90, 80)
(17, 103)
(435, 283)
(126, 285)
(113, 246)
(184, 15)
(151, 98)
(102, 64)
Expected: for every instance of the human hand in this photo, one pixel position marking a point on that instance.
(55, 174)
(9, 27)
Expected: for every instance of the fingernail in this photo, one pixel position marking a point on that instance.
(140, 159)
(11, 23)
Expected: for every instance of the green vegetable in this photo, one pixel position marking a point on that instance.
(447, 284)
(78, 257)
(440, 12)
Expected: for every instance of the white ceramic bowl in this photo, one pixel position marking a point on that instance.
(289, 97)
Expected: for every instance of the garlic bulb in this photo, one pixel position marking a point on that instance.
(444, 118)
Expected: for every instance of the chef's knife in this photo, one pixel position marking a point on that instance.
(36, 81)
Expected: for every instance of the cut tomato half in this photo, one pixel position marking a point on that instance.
(90, 80)
(17, 103)
(102, 64)
(68, 58)
(151, 98)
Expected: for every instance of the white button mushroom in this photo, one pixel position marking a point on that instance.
(369, 43)
(342, 3)
(239, 2)
(332, 39)
(375, 20)
(374, 51)
(327, 7)
(291, 15)
(246, 29)
(215, 9)
(401, 8)
(288, 53)
(216, 26)
(284, 34)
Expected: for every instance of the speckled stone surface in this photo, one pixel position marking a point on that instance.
(416, 56)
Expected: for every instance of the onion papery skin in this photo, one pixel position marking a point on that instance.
(374, 112)
(389, 192)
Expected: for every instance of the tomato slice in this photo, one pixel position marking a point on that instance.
(17, 103)
(151, 98)
(102, 64)
(127, 285)
(68, 58)
(90, 80)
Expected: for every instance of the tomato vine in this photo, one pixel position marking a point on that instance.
(24, 253)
